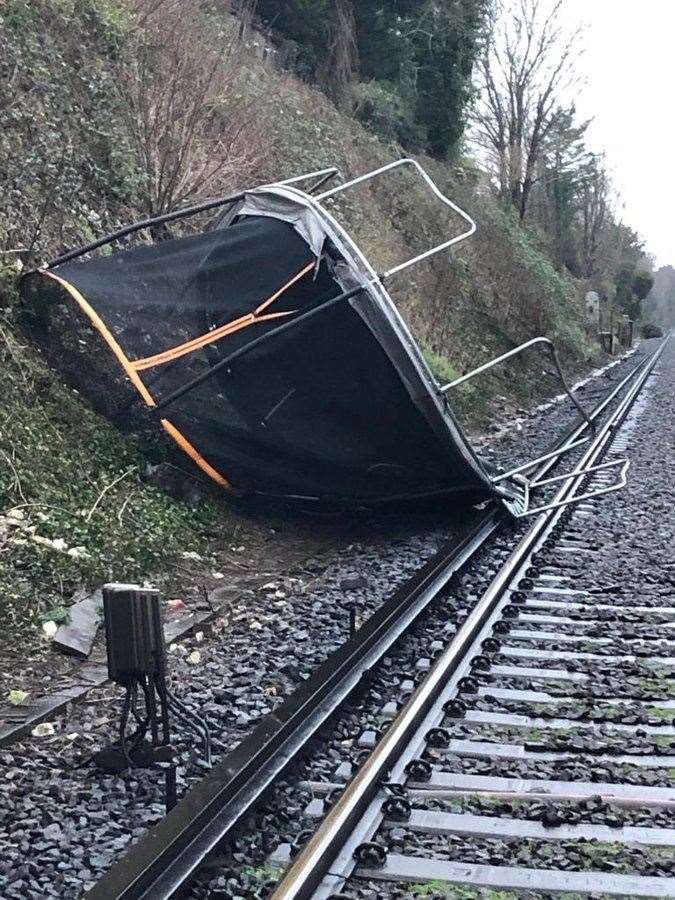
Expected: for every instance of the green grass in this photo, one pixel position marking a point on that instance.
(60, 615)
(79, 511)
(264, 873)
(443, 370)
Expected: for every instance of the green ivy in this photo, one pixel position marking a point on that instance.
(76, 485)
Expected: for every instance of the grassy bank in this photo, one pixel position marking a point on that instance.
(74, 506)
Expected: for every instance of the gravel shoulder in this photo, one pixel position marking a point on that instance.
(62, 822)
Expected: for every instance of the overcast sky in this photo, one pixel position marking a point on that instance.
(629, 66)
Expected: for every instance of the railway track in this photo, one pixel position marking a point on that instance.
(503, 697)
(163, 862)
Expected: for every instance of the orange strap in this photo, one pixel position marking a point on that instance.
(106, 334)
(195, 455)
(190, 346)
(301, 274)
(159, 358)
(109, 338)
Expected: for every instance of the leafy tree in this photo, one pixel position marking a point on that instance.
(381, 106)
(593, 213)
(557, 188)
(632, 287)
(624, 287)
(427, 50)
(446, 42)
(642, 285)
(383, 38)
(306, 23)
(418, 53)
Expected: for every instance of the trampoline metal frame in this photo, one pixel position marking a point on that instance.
(541, 340)
(325, 175)
(435, 190)
(444, 246)
(623, 463)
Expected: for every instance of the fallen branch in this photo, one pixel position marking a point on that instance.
(105, 491)
(17, 480)
(124, 506)
(60, 509)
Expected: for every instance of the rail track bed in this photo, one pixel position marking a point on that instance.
(533, 753)
(61, 826)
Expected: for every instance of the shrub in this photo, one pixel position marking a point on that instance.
(383, 109)
(651, 330)
(189, 128)
(441, 367)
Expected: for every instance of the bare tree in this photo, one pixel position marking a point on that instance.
(527, 66)
(190, 129)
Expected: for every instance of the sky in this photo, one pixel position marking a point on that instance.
(629, 69)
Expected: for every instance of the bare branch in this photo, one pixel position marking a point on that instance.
(191, 130)
(525, 69)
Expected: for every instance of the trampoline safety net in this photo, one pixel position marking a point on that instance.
(264, 350)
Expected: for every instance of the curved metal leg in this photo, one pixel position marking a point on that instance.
(515, 352)
(434, 189)
(621, 483)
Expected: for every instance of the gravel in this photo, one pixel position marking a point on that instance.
(628, 564)
(62, 822)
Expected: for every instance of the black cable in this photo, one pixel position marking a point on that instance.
(170, 790)
(200, 723)
(162, 693)
(123, 726)
(193, 721)
(151, 706)
(139, 735)
(189, 724)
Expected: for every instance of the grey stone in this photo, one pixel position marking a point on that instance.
(78, 635)
(52, 832)
(353, 582)
(315, 808)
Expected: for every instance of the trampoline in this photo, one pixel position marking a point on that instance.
(269, 349)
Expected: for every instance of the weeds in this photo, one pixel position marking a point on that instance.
(65, 475)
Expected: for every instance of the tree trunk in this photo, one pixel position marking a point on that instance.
(337, 73)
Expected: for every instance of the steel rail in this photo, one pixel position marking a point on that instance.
(574, 433)
(157, 865)
(172, 850)
(315, 861)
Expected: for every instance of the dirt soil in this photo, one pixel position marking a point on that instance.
(265, 551)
